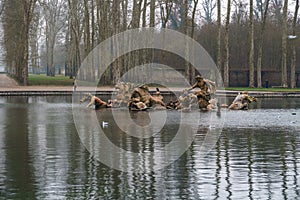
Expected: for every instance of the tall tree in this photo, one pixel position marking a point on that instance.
(276, 10)
(193, 31)
(264, 14)
(219, 57)
(11, 37)
(294, 53)
(28, 12)
(240, 11)
(152, 13)
(53, 14)
(165, 11)
(17, 23)
(116, 30)
(251, 54)
(194, 17)
(208, 7)
(76, 29)
(186, 32)
(87, 29)
(226, 62)
(34, 38)
(284, 46)
(93, 24)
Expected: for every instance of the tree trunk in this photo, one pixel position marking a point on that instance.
(165, 12)
(87, 41)
(124, 4)
(116, 45)
(219, 59)
(192, 32)
(251, 54)
(87, 35)
(34, 53)
(28, 6)
(144, 51)
(135, 23)
(284, 45)
(294, 53)
(187, 53)
(264, 15)
(226, 62)
(152, 13)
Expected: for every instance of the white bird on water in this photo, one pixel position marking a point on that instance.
(104, 124)
(292, 37)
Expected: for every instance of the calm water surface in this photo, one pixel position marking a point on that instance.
(41, 155)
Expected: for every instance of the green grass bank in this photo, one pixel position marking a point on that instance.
(61, 80)
(42, 79)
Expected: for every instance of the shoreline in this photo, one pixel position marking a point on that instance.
(68, 91)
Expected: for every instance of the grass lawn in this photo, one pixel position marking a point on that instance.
(42, 79)
(61, 80)
(264, 89)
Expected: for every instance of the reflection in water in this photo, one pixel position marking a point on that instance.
(42, 157)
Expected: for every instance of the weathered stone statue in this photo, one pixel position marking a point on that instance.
(158, 99)
(187, 101)
(141, 99)
(94, 101)
(207, 87)
(241, 101)
(124, 94)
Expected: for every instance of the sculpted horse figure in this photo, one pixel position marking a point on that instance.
(241, 101)
(141, 99)
(186, 101)
(93, 100)
(123, 96)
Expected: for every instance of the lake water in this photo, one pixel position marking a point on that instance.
(42, 156)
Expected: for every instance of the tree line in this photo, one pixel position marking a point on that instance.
(255, 35)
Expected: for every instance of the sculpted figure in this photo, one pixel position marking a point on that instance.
(187, 101)
(124, 93)
(95, 101)
(158, 99)
(141, 99)
(207, 87)
(241, 101)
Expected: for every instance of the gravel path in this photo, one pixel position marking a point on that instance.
(6, 82)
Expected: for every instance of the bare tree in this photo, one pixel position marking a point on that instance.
(264, 14)
(87, 29)
(208, 7)
(193, 30)
(76, 29)
(219, 58)
(284, 46)
(93, 24)
(55, 20)
(34, 41)
(165, 11)
(294, 53)
(17, 23)
(251, 54)
(116, 30)
(28, 11)
(240, 11)
(136, 13)
(186, 32)
(1, 7)
(226, 62)
(152, 13)
(276, 10)
(193, 17)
